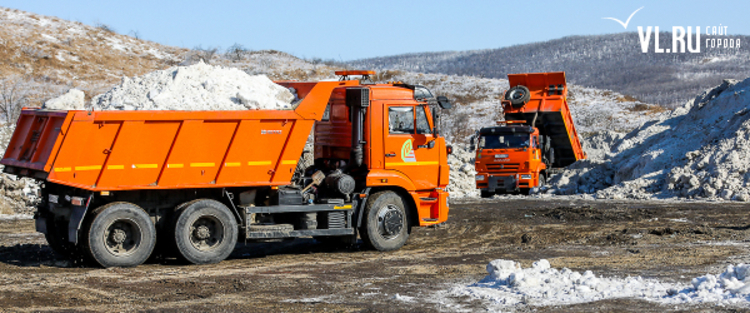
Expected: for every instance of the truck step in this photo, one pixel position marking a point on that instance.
(286, 233)
(270, 228)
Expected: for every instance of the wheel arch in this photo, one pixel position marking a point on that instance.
(411, 206)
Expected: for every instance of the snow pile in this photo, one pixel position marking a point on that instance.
(196, 87)
(462, 182)
(72, 100)
(508, 284)
(696, 151)
(18, 196)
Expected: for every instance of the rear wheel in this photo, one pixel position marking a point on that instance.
(120, 234)
(205, 232)
(386, 226)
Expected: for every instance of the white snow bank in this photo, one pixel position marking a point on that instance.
(462, 174)
(696, 152)
(195, 87)
(540, 285)
(72, 100)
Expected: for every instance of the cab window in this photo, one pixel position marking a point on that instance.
(503, 141)
(423, 127)
(401, 120)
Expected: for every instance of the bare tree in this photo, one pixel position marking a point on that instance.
(13, 97)
(236, 52)
(105, 27)
(199, 53)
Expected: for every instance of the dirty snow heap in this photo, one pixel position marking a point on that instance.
(540, 285)
(196, 87)
(698, 151)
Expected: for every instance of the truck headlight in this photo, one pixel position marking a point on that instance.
(526, 176)
(480, 177)
(54, 198)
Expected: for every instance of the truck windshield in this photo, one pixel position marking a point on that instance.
(502, 141)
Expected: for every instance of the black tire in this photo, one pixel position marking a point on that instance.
(518, 95)
(542, 180)
(205, 232)
(386, 226)
(486, 194)
(119, 234)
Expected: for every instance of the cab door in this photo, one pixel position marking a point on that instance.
(407, 138)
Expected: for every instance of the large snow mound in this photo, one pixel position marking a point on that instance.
(508, 284)
(72, 100)
(196, 87)
(462, 174)
(697, 151)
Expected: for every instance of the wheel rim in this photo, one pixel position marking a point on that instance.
(390, 221)
(206, 233)
(122, 237)
(517, 94)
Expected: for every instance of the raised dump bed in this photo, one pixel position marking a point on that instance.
(547, 109)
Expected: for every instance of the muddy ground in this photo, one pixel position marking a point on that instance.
(670, 241)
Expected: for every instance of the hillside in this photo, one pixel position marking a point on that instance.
(42, 57)
(614, 62)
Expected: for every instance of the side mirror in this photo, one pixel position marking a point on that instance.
(443, 102)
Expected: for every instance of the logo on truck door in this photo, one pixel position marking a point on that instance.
(407, 152)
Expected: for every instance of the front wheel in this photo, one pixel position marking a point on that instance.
(486, 194)
(120, 234)
(205, 232)
(542, 180)
(386, 227)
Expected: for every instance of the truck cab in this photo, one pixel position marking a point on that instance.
(509, 159)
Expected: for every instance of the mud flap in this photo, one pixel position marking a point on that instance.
(41, 225)
(76, 220)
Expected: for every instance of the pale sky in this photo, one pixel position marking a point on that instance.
(347, 30)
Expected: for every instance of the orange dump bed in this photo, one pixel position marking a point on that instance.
(124, 150)
(548, 110)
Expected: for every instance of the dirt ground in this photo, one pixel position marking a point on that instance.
(670, 241)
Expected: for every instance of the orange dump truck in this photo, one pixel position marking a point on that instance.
(537, 136)
(116, 183)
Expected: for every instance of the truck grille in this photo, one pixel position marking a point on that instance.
(503, 167)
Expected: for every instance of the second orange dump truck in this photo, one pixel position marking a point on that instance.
(537, 136)
(117, 183)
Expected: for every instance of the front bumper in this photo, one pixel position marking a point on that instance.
(507, 184)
